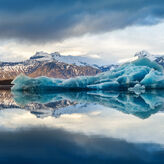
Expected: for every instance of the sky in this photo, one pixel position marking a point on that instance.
(111, 30)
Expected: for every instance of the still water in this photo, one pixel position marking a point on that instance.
(81, 127)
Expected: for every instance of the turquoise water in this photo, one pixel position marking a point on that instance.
(82, 127)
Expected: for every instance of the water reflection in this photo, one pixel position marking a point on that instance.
(45, 145)
(142, 106)
(81, 127)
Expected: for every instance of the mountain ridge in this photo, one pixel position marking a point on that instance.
(60, 66)
(44, 64)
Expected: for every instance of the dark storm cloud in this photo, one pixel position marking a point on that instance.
(45, 20)
(42, 145)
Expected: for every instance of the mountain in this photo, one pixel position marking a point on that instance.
(51, 65)
(9, 70)
(63, 70)
(158, 58)
(60, 66)
(73, 60)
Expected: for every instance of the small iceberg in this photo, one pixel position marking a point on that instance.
(137, 76)
(137, 89)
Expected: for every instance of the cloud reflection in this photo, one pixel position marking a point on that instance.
(46, 145)
(89, 115)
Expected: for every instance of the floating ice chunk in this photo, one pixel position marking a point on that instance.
(137, 89)
(39, 84)
(137, 75)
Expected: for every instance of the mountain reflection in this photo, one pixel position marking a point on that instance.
(142, 106)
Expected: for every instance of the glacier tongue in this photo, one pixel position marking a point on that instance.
(141, 72)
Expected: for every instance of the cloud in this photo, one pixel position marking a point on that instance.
(55, 20)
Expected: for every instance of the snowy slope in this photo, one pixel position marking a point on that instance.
(44, 64)
(9, 70)
(158, 58)
(75, 60)
(153, 57)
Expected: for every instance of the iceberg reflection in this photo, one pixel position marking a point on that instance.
(142, 106)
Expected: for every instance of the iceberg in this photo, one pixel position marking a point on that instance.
(141, 74)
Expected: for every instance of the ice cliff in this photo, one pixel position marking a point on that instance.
(134, 76)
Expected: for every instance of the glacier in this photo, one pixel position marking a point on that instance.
(141, 74)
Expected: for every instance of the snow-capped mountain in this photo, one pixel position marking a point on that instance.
(158, 58)
(60, 66)
(142, 54)
(9, 70)
(75, 60)
(52, 65)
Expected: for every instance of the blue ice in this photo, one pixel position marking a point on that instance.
(140, 74)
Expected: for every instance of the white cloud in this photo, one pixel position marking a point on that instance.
(112, 46)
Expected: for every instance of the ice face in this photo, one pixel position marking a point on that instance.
(135, 75)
